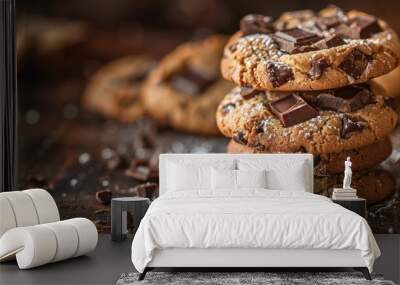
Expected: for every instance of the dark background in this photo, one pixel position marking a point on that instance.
(62, 147)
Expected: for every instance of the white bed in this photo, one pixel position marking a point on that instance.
(280, 225)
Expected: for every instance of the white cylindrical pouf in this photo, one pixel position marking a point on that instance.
(67, 239)
(45, 205)
(23, 208)
(87, 234)
(7, 218)
(34, 245)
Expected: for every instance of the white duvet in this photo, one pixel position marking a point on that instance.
(250, 219)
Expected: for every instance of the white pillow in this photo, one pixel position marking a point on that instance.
(188, 174)
(251, 178)
(223, 179)
(181, 177)
(281, 174)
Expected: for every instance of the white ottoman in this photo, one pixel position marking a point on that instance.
(31, 231)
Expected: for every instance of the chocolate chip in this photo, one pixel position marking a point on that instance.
(279, 73)
(104, 197)
(292, 110)
(329, 42)
(260, 127)
(253, 24)
(147, 190)
(364, 26)
(239, 138)
(391, 103)
(349, 126)
(248, 92)
(228, 108)
(102, 216)
(292, 40)
(259, 147)
(233, 47)
(318, 66)
(355, 63)
(190, 81)
(345, 99)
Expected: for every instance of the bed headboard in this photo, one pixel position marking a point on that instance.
(210, 158)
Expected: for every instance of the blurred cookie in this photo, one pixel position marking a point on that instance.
(374, 185)
(390, 82)
(185, 89)
(331, 163)
(114, 90)
(318, 122)
(307, 51)
(43, 36)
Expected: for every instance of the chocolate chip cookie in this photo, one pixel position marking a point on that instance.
(114, 91)
(317, 122)
(332, 163)
(307, 51)
(374, 185)
(186, 87)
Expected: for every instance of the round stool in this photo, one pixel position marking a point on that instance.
(121, 207)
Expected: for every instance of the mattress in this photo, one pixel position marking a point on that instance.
(253, 218)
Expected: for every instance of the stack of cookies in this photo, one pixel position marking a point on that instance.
(304, 85)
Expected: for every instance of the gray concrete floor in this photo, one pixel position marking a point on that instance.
(103, 266)
(111, 259)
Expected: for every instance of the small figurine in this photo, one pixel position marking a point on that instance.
(347, 174)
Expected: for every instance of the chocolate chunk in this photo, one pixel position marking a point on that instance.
(292, 110)
(355, 63)
(327, 101)
(191, 82)
(329, 42)
(345, 99)
(318, 66)
(239, 138)
(147, 190)
(101, 217)
(254, 24)
(248, 92)
(104, 197)
(292, 39)
(228, 108)
(364, 26)
(349, 126)
(279, 73)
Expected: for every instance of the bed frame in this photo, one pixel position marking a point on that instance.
(242, 259)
